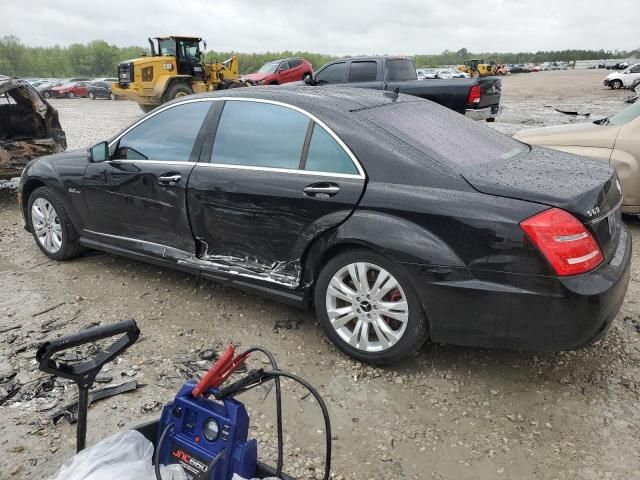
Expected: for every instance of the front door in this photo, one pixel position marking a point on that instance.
(275, 181)
(139, 194)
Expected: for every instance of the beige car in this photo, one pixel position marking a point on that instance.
(615, 139)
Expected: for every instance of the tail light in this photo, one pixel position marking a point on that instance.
(564, 241)
(474, 95)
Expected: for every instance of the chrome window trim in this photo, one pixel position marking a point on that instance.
(163, 162)
(281, 170)
(361, 173)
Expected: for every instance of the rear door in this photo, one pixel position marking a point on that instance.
(273, 180)
(139, 194)
(365, 74)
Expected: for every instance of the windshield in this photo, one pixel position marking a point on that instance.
(444, 135)
(270, 67)
(167, 47)
(625, 115)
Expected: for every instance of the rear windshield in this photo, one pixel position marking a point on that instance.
(443, 135)
(401, 70)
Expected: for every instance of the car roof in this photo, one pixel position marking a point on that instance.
(315, 99)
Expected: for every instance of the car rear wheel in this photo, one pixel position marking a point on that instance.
(46, 95)
(92, 95)
(616, 84)
(51, 226)
(369, 309)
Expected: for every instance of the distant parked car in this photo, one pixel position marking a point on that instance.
(615, 140)
(45, 88)
(100, 89)
(616, 80)
(281, 71)
(71, 90)
(426, 73)
(450, 73)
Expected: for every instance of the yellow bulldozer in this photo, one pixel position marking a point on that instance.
(478, 68)
(175, 68)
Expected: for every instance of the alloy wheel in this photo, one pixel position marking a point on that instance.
(46, 225)
(367, 307)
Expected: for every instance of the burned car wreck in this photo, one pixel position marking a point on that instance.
(29, 126)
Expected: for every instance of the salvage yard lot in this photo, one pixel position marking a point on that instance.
(448, 412)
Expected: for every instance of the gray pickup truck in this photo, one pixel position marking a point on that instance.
(477, 98)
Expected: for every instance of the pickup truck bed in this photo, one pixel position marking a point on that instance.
(477, 98)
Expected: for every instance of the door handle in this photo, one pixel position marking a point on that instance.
(169, 178)
(322, 190)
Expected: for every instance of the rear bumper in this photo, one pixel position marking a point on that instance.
(515, 311)
(482, 113)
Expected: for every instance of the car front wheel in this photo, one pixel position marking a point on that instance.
(369, 309)
(616, 84)
(51, 226)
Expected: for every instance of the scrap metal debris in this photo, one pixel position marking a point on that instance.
(573, 112)
(70, 410)
(29, 126)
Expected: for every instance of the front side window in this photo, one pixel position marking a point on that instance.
(168, 135)
(635, 69)
(334, 73)
(259, 134)
(284, 66)
(363, 72)
(326, 155)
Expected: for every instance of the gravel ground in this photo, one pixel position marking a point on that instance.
(447, 413)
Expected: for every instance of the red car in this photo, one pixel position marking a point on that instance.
(71, 90)
(281, 71)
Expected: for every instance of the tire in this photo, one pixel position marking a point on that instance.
(147, 108)
(475, 74)
(112, 97)
(52, 229)
(46, 95)
(305, 76)
(274, 83)
(178, 90)
(236, 85)
(377, 348)
(92, 95)
(71, 95)
(615, 84)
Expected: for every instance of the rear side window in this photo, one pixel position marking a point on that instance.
(401, 70)
(295, 62)
(363, 72)
(334, 73)
(259, 134)
(326, 155)
(168, 135)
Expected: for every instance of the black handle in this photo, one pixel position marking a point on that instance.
(85, 373)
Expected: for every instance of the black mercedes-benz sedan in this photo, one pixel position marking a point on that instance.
(397, 219)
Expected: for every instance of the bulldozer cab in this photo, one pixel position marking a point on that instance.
(473, 64)
(187, 52)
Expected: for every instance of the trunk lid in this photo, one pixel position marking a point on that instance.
(586, 188)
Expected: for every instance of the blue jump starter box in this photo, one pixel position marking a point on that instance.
(202, 428)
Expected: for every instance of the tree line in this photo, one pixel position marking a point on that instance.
(100, 59)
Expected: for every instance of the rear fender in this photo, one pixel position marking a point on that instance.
(628, 169)
(397, 239)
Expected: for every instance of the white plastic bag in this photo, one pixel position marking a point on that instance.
(123, 456)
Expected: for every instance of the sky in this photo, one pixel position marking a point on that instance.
(337, 27)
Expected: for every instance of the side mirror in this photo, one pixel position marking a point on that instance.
(99, 152)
